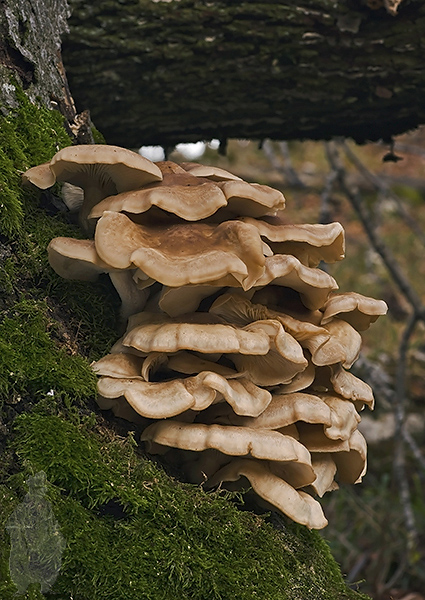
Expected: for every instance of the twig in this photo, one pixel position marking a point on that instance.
(400, 420)
(285, 169)
(416, 451)
(382, 187)
(379, 246)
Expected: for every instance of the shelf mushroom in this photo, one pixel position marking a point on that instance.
(237, 351)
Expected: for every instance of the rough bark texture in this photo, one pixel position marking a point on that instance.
(30, 37)
(161, 72)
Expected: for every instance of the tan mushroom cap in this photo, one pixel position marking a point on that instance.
(76, 259)
(182, 194)
(251, 199)
(309, 243)
(345, 384)
(359, 311)
(343, 345)
(235, 308)
(209, 172)
(297, 505)
(119, 366)
(164, 399)
(115, 168)
(325, 469)
(313, 285)
(344, 417)
(177, 255)
(41, 176)
(234, 441)
(338, 416)
(101, 171)
(352, 465)
(155, 332)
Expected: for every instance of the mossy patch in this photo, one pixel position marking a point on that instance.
(169, 540)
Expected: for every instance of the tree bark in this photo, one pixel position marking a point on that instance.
(30, 38)
(163, 72)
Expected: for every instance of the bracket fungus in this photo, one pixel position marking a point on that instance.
(237, 351)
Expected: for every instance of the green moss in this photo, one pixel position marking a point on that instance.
(30, 362)
(29, 136)
(170, 540)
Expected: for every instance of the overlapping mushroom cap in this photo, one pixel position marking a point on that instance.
(237, 351)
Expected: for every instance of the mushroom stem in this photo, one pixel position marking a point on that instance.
(133, 300)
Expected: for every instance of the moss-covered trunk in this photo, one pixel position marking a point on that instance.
(131, 531)
(183, 70)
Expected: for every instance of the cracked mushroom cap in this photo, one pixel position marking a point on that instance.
(297, 505)
(359, 311)
(177, 255)
(101, 171)
(311, 244)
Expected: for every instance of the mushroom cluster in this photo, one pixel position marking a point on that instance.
(237, 351)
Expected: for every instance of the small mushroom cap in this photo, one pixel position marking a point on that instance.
(235, 308)
(325, 468)
(252, 199)
(177, 301)
(41, 176)
(343, 345)
(76, 259)
(343, 383)
(180, 254)
(119, 366)
(314, 439)
(182, 194)
(352, 464)
(209, 172)
(297, 505)
(110, 165)
(311, 244)
(313, 285)
(344, 417)
(359, 311)
(234, 441)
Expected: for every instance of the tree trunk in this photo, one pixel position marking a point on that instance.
(30, 37)
(162, 72)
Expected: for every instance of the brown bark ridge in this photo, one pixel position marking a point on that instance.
(30, 38)
(161, 72)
